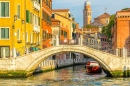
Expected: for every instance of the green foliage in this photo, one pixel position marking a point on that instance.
(90, 26)
(107, 29)
(117, 73)
(126, 9)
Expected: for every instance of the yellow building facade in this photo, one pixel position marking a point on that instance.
(67, 21)
(20, 27)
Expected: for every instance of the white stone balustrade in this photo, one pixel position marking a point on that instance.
(36, 28)
(36, 5)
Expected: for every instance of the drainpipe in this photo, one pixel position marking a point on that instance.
(25, 25)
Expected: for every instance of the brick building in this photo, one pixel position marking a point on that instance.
(121, 32)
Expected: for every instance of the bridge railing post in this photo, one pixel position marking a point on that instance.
(81, 40)
(78, 41)
(124, 52)
(57, 40)
(116, 52)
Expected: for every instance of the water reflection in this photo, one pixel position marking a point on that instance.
(72, 76)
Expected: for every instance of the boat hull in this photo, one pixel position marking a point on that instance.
(93, 69)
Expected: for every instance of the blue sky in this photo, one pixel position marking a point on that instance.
(97, 6)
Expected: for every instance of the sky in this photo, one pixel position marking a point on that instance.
(97, 6)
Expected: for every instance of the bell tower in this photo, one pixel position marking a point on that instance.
(87, 13)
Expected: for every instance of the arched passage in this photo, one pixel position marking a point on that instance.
(33, 59)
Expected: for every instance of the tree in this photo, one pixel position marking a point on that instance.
(107, 29)
(126, 9)
(90, 26)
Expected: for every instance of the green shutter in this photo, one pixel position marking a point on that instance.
(6, 33)
(6, 9)
(26, 15)
(18, 11)
(30, 18)
(2, 9)
(2, 33)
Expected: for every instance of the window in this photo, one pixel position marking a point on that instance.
(4, 9)
(4, 33)
(62, 32)
(18, 11)
(38, 1)
(43, 13)
(53, 16)
(107, 21)
(37, 38)
(27, 16)
(31, 15)
(36, 20)
(46, 2)
(26, 36)
(4, 51)
(65, 34)
(31, 38)
(18, 34)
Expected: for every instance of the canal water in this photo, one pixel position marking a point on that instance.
(71, 76)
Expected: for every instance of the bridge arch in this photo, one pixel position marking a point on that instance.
(33, 59)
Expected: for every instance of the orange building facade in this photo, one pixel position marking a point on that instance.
(59, 30)
(46, 23)
(121, 31)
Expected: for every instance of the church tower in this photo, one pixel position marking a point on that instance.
(87, 13)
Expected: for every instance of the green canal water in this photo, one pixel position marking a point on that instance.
(71, 76)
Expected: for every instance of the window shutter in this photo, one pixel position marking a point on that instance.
(26, 15)
(30, 18)
(6, 33)
(2, 33)
(2, 9)
(7, 9)
(18, 34)
(18, 11)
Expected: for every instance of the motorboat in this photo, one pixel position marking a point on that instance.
(93, 67)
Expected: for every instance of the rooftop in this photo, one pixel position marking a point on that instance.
(60, 10)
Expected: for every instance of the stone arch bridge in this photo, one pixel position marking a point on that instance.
(28, 63)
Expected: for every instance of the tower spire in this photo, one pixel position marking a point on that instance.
(87, 13)
(105, 9)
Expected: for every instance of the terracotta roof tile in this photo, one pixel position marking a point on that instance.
(55, 20)
(103, 15)
(60, 10)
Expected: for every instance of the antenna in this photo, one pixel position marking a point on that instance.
(105, 9)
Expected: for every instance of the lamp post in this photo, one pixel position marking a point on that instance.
(13, 37)
(98, 43)
(72, 41)
(65, 41)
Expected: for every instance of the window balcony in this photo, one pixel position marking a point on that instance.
(36, 28)
(36, 5)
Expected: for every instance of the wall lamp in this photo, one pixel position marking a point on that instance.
(15, 17)
(23, 21)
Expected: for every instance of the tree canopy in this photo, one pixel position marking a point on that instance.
(90, 26)
(126, 9)
(107, 29)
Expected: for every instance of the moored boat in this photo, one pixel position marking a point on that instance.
(93, 67)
